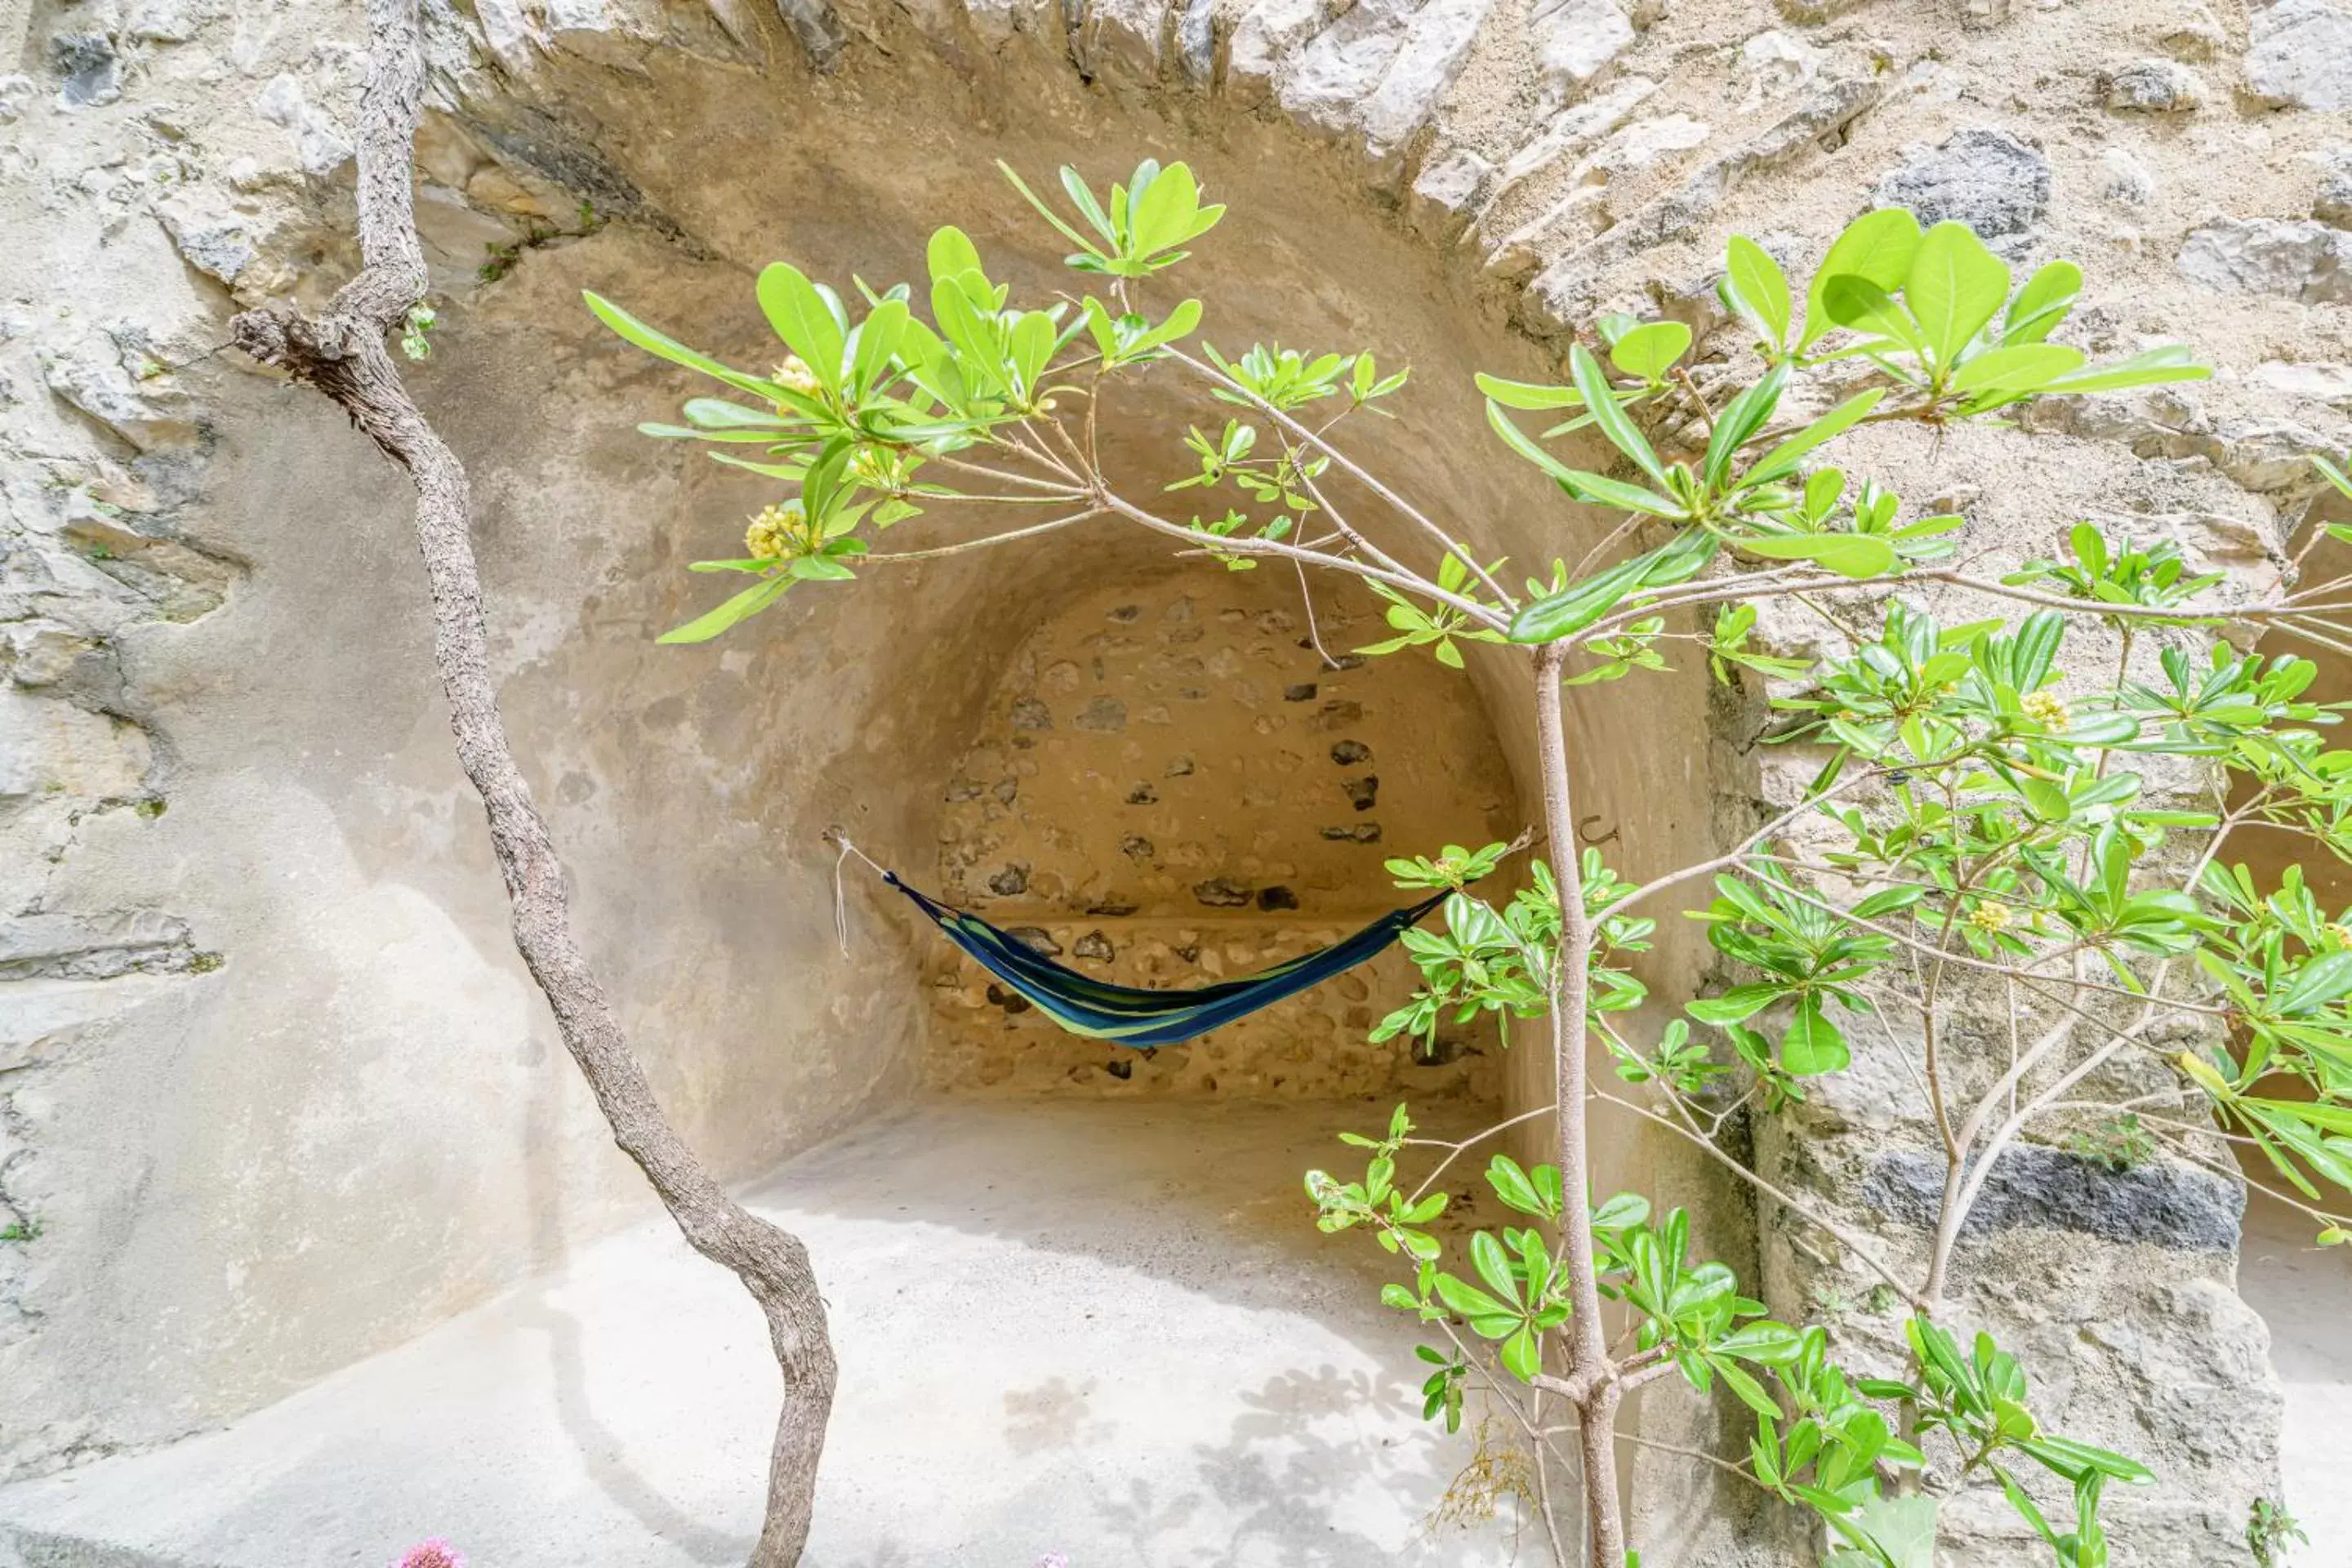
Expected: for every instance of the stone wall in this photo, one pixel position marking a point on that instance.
(1172, 785)
(268, 1077)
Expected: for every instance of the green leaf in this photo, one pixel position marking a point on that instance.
(1580, 485)
(748, 603)
(2156, 367)
(1527, 394)
(1649, 351)
(803, 320)
(1758, 290)
(1163, 215)
(1862, 305)
(1877, 247)
(2019, 367)
(951, 253)
(1903, 1529)
(2323, 980)
(1953, 288)
(1741, 418)
(1783, 458)
(1741, 1382)
(670, 349)
(1855, 556)
(1609, 414)
(2042, 303)
(1814, 1044)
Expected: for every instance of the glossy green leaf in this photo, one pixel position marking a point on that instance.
(1855, 556)
(748, 603)
(670, 349)
(803, 320)
(1758, 290)
(1608, 415)
(1877, 248)
(1783, 458)
(1954, 289)
(1649, 351)
(1812, 1045)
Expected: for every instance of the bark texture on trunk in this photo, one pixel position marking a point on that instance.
(341, 351)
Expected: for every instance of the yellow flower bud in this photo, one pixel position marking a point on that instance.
(773, 530)
(2048, 710)
(796, 373)
(1990, 917)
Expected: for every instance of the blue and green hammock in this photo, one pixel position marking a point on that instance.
(1130, 1016)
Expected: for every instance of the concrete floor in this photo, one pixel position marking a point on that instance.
(2305, 1294)
(1109, 1330)
(1105, 1330)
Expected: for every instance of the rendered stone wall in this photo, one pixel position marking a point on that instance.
(264, 1059)
(1171, 787)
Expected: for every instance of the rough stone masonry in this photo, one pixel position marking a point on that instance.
(260, 1051)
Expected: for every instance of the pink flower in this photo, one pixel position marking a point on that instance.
(434, 1553)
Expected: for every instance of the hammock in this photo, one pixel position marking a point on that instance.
(1127, 1015)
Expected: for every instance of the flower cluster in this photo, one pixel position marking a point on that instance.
(774, 530)
(2046, 708)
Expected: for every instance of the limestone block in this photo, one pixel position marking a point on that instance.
(1437, 42)
(2153, 87)
(52, 748)
(1576, 42)
(1446, 193)
(2293, 259)
(2300, 55)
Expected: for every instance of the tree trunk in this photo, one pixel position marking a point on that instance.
(341, 352)
(1589, 1371)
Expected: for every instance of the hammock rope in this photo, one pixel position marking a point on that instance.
(1127, 1014)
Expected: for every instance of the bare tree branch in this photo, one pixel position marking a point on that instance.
(340, 352)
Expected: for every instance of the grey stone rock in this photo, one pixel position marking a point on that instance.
(2332, 206)
(1361, 833)
(212, 239)
(1011, 882)
(1576, 41)
(1987, 179)
(1446, 194)
(1196, 41)
(319, 142)
(1094, 945)
(1143, 795)
(86, 63)
(1137, 847)
(2294, 258)
(102, 947)
(2125, 179)
(1437, 42)
(1337, 714)
(1037, 940)
(2300, 55)
(1302, 692)
(1363, 792)
(1220, 893)
(1277, 897)
(1349, 754)
(2153, 86)
(1029, 713)
(2170, 1206)
(1180, 767)
(1104, 715)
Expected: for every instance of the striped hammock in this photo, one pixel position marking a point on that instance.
(1128, 1016)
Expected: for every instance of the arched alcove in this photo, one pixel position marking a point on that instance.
(440, 1152)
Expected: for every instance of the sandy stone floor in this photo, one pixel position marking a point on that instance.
(1106, 1331)
(2305, 1296)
